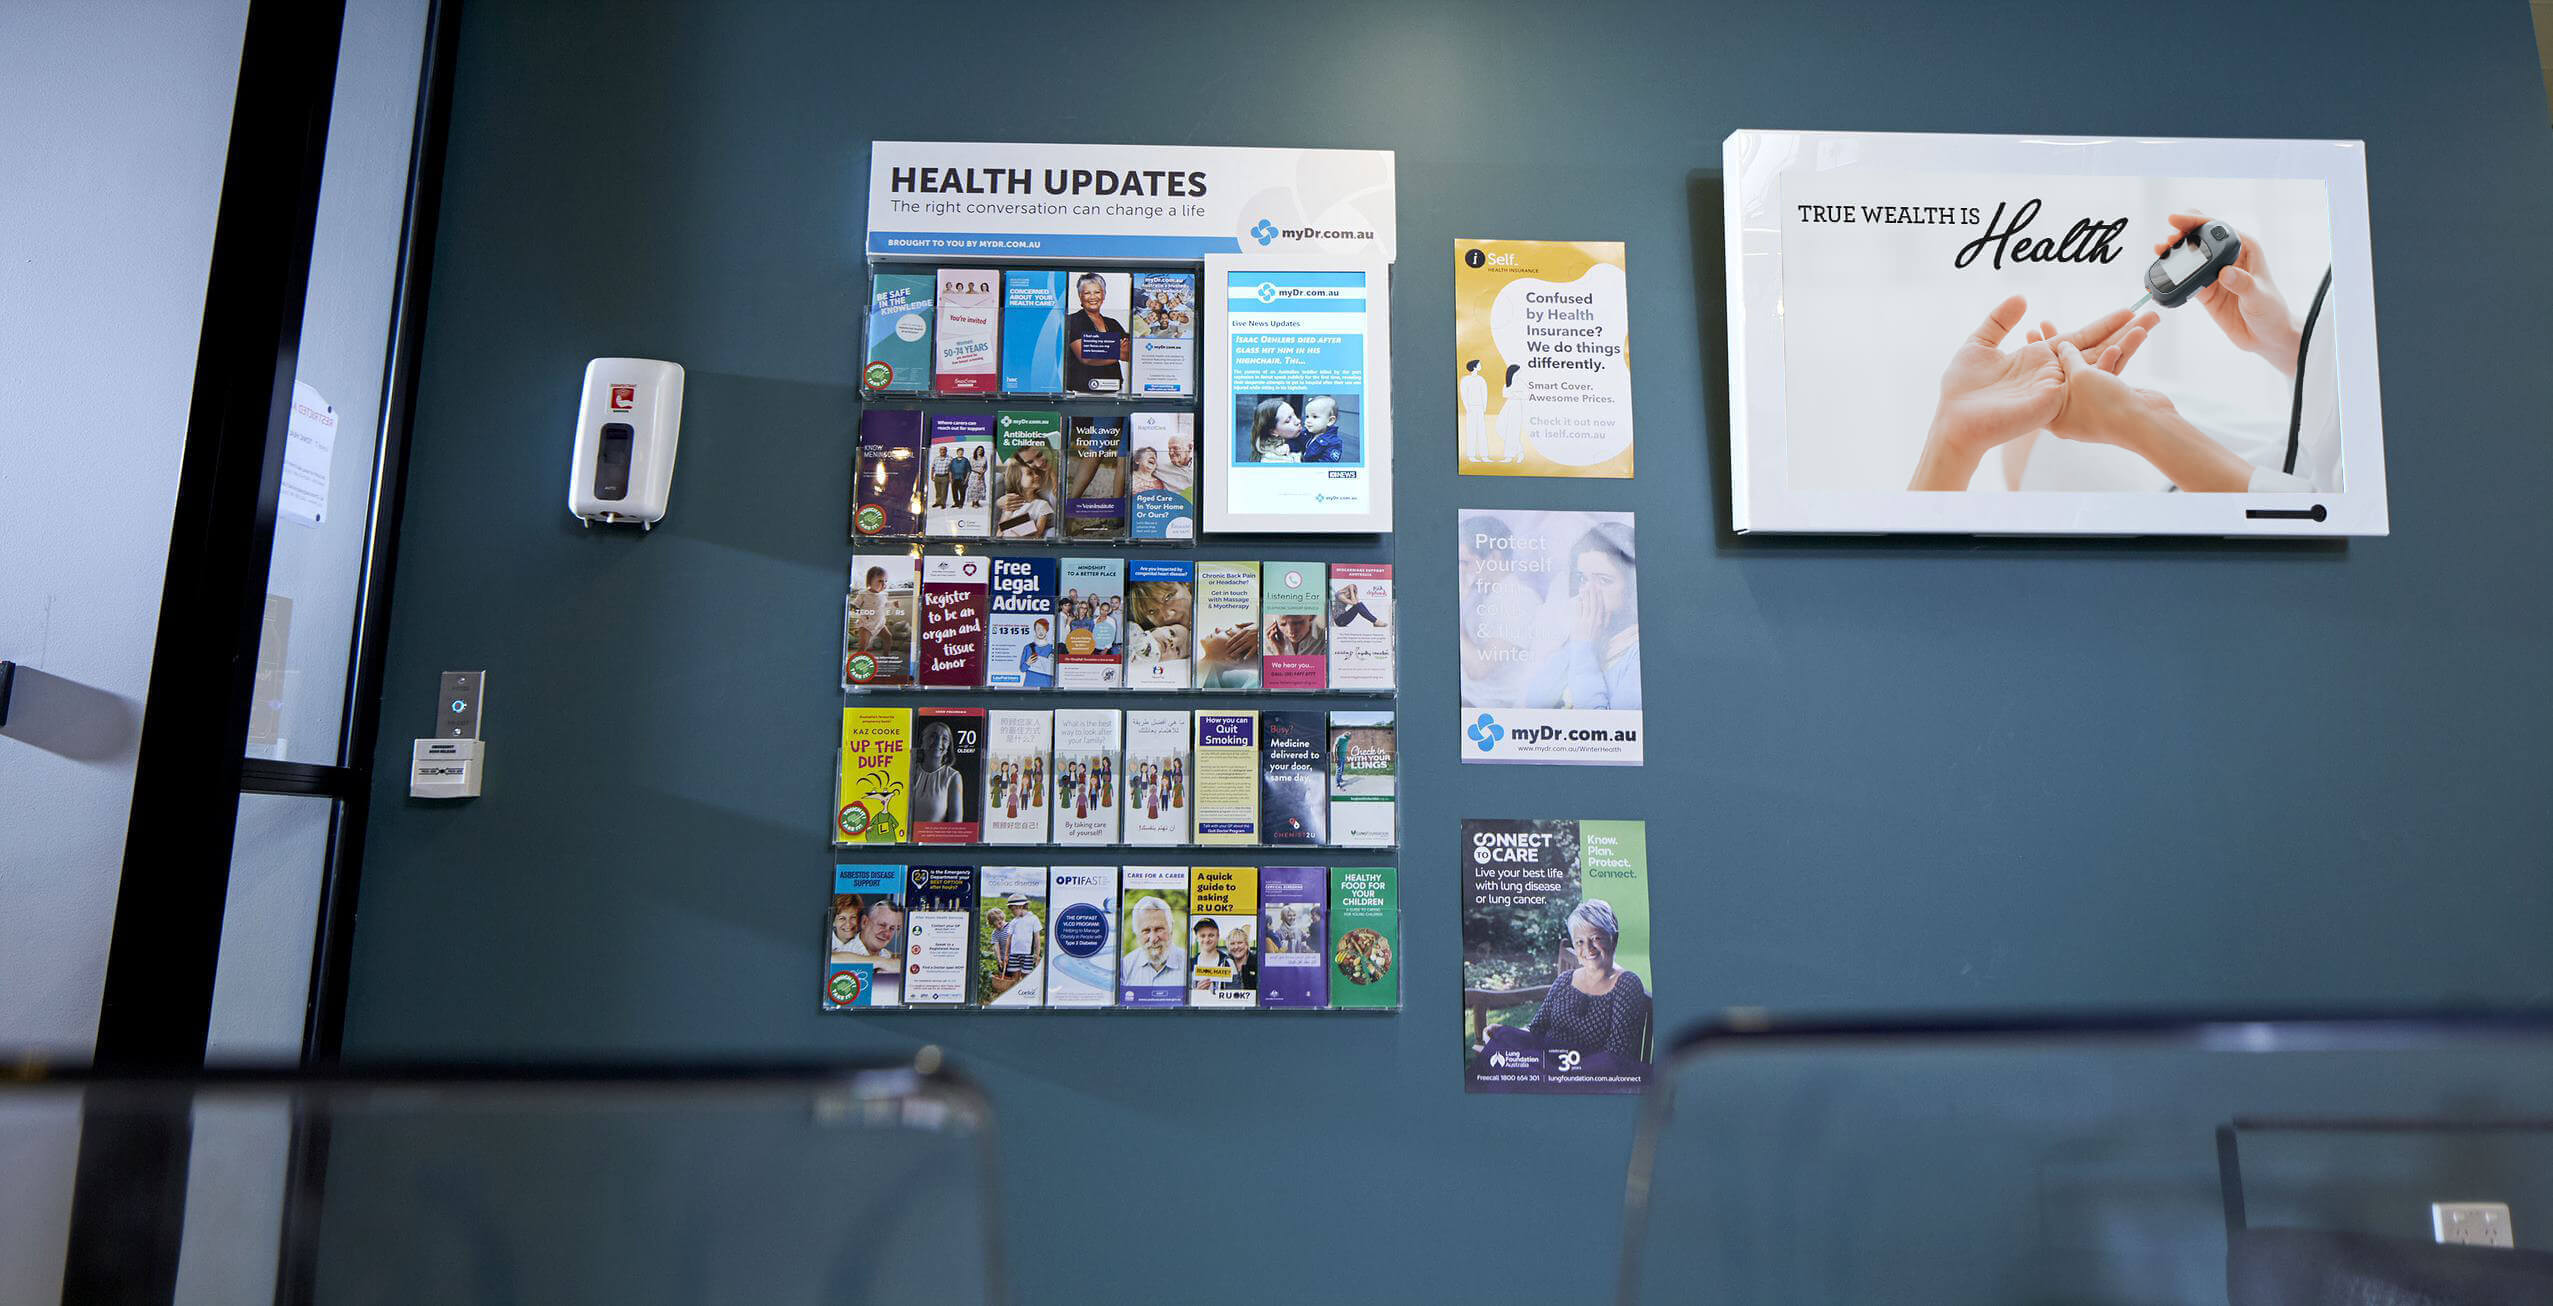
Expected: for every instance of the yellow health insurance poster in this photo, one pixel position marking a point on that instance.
(1543, 369)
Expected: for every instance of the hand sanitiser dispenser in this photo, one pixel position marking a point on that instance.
(626, 429)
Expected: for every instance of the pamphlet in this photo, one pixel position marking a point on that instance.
(1095, 338)
(1294, 785)
(948, 775)
(886, 498)
(1297, 644)
(1227, 625)
(1153, 969)
(953, 617)
(1165, 335)
(1032, 333)
(1020, 628)
(1227, 764)
(957, 477)
(1090, 620)
(1365, 928)
(940, 968)
(864, 938)
(869, 804)
(1294, 951)
(1010, 956)
(1031, 449)
(1361, 635)
(1081, 937)
(1161, 476)
(1157, 778)
(1016, 748)
(1535, 890)
(1550, 633)
(900, 315)
(970, 308)
(1095, 500)
(1223, 915)
(1364, 780)
(1542, 361)
(877, 622)
(1160, 597)
(1086, 775)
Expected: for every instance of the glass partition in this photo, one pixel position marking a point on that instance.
(2091, 1163)
(631, 1185)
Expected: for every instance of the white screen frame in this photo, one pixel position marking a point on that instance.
(1214, 433)
(1761, 499)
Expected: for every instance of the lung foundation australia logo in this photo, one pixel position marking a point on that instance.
(1486, 732)
(1517, 1060)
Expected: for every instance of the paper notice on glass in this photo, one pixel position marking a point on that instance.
(310, 442)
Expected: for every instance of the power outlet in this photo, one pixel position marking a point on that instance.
(2480, 1224)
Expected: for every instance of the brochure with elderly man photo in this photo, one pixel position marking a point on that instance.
(1556, 963)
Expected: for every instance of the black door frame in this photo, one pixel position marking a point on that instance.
(128, 1203)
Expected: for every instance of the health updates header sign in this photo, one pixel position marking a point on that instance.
(951, 199)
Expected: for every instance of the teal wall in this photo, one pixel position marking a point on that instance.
(1898, 773)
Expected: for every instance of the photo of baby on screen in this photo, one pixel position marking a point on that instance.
(1298, 428)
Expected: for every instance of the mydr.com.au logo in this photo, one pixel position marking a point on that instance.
(1268, 233)
(1486, 732)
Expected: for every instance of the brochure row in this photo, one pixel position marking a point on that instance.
(1025, 477)
(1304, 938)
(969, 621)
(1100, 777)
(989, 331)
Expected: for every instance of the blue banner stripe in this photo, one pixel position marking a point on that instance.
(1030, 244)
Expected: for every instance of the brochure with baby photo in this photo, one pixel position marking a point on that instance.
(1578, 891)
(1159, 598)
(877, 622)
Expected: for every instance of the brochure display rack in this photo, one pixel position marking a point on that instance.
(1119, 584)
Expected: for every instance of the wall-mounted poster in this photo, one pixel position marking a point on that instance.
(1542, 363)
(1298, 405)
(2034, 335)
(1550, 637)
(1556, 964)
